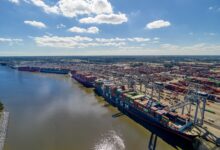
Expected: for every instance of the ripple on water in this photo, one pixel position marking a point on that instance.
(110, 141)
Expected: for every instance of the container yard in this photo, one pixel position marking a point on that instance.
(178, 101)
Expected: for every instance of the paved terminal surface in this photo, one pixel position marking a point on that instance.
(212, 119)
(3, 128)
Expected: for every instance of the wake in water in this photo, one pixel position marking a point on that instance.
(110, 141)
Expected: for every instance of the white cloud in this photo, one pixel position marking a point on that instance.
(64, 42)
(73, 8)
(198, 47)
(214, 8)
(91, 30)
(27, 1)
(210, 34)
(14, 1)
(101, 6)
(10, 40)
(106, 18)
(60, 26)
(170, 49)
(18, 1)
(169, 46)
(210, 8)
(83, 41)
(72, 42)
(35, 23)
(156, 38)
(158, 24)
(124, 46)
(138, 39)
(194, 49)
(48, 9)
(98, 11)
(191, 33)
(104, 40)
(130, 47)
(135, 39)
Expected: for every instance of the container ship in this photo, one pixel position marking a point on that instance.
(54, 70)
(3, 64)
(29, 69)
(173, 127)
(43, 70)
(87, 79)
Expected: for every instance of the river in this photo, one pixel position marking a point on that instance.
(54, 112)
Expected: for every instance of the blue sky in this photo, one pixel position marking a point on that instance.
(109, 27)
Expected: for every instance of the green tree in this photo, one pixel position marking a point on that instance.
(1, 106)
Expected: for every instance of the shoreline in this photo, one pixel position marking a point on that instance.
(3, 128)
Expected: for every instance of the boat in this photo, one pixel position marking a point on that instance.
(54, 70)
(98, 87)
(23, 68)
(28, 68)
(87, 79)
(3, 64)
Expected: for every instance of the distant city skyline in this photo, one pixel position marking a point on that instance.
(109, 27)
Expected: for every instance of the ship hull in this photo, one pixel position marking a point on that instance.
(83, 82)
(54, 71)
(34, 69)
(98, 92)
(174, 138)
(110, 100)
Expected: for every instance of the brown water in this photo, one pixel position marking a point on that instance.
(54, 112)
